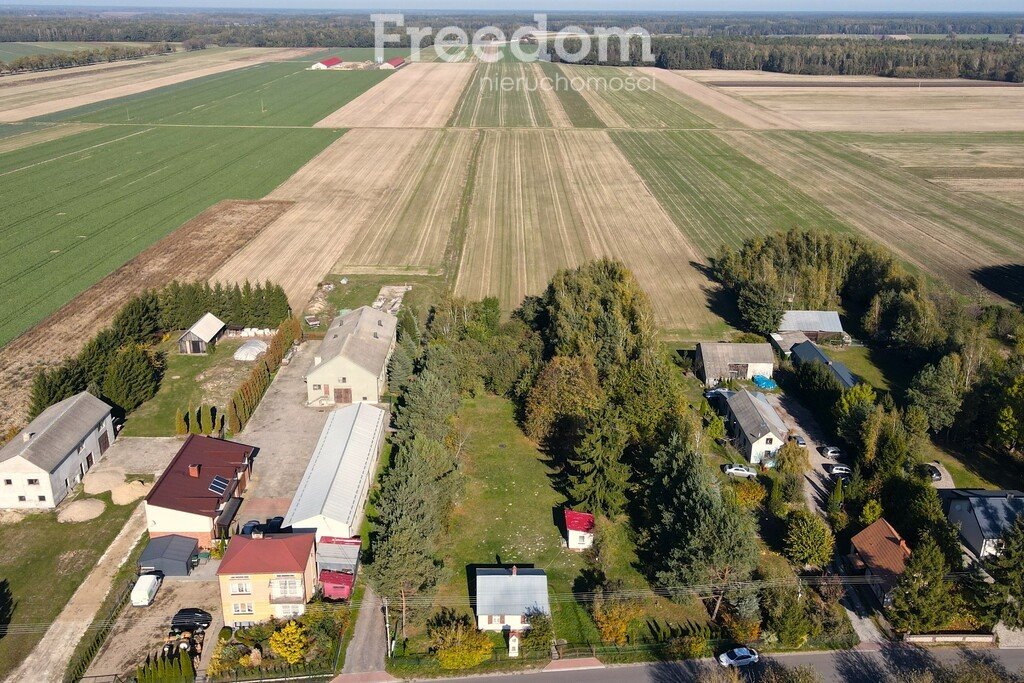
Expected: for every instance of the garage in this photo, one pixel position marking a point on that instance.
(171, 555)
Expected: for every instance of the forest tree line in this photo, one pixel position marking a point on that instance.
(64, 60)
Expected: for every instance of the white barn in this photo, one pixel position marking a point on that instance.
(44, 461)
(351, 365)
(333, 490)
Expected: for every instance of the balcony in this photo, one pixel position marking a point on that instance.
(276, 599)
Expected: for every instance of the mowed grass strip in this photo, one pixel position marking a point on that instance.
(271, 94)
(75, 209)
(576, 108)
(626, 98)
(714, 193)
(502, 94)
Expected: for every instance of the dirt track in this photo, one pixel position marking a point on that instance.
(193, 251)
(49, 95)
(416, 96)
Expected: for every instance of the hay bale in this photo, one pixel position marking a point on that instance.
(130, 492)
(81, 511)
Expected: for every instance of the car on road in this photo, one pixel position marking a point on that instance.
(740, 656)
(739, 471)
(190, 619)
(831, 452)
(249, 527)
(838, 470)
(799, 440)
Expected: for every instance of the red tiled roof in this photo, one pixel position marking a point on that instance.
(396, 61)
(882, 549)
(579, 521)
(176, 489)
(331, 61)
(267, 555)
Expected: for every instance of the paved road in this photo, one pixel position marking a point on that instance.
(852, 666)
(366, 651)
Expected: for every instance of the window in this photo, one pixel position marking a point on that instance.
(344, 380)
(241, 588)
(287, 587)
(316, 387)
(8, 482)
(364, 398)
(290, 611)
(241, 608)
(583, 539)
(21, 499)
(769, 441)
(33, 482)
(42, 499)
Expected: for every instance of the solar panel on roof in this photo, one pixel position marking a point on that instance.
(219, 485)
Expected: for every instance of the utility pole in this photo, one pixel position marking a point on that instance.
(387, 625)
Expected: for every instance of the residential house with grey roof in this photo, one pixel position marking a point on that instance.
(809, 352)
(351, 365)
(715, 362)
(983, 517)
(46, 459)
(756, 429)
(507, 598)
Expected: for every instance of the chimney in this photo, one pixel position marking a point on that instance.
(380, 323)
(903, 546)
(193, 471)
(27, 436)
(376, 336)
(515, 570)
(257, 534)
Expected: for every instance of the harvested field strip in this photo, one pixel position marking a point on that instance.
(339, 195)
(34, 134)
(487, 101)
(76, 209)
(553, 105)
(417, 95)
(39, 95)
(545, 200)
(193, 251)
(268, 94)
(949, 236)
(620, 105)
(715, 194)
(573, 103)
(1009, 190)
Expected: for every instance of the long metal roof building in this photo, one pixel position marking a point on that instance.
(333, 490)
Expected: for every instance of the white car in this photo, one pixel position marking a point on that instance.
(837, 470)
(145, 590)
(741, 656)
(831, 452)
(739, 471)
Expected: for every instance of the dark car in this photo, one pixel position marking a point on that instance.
(249, 527)
(190, 619)
(933, 472)
(273, 525)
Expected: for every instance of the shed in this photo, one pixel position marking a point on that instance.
(171, 555)
(336, 585)
(819, 326)
(393, 63)
(719, 361)
(579, 529)
(197, 338)
(329, 63)
(251, 350)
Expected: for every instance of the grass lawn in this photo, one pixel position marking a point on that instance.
(361, 290)
(210, 379)
(42, 564)
(861, 361)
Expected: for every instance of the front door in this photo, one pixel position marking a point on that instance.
(342, 395)
(197, 347)
(88, 463)
(104, 442)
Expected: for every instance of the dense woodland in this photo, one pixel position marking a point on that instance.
(63, 60)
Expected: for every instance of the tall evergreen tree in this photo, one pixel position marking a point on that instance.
(598, 477)
(132, 378)
(1007, 568)
(922, 599)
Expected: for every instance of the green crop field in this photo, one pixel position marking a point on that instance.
(715, 194)
(487, 101)
(11, 51)
(75, 209)
(575, 105)
(281, 94)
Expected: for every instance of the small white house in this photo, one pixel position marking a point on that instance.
(757, 430)
(332, 494)
(506, 598)
(47, 459)
(351, 365)
(579, 529)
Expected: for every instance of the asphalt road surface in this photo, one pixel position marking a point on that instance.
(850, 666)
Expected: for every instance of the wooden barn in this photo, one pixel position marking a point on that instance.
(197, 338)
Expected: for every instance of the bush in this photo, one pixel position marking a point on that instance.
(540, 636)
(290, 642)
(455, 642)
(688, 647)
(225, 634)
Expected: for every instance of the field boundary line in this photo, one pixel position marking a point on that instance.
(77, 151)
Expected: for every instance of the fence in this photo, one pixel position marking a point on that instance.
(80, 662)
(950, 638)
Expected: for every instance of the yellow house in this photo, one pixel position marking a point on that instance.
(266, 576)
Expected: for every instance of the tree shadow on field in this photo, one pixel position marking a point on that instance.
(1006, 280)
(7, 605)
(720, 301)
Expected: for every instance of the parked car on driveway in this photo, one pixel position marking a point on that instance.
(831, 452)
(837, 470)
(144, 591)
(934, 472)
(740, 656)
(190, 619)
(739, 471)
(249, 527)
(799, 440)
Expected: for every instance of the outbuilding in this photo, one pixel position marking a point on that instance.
(351, 364)
(171, 555)
(719, 361)
(329, 63)
(579, 529)
(819, 326)
(197, 339)
(507, 598)
(809, 352)
(393, 63)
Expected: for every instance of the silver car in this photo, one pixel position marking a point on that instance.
(831, 452)
(739, 471)
(740, 656)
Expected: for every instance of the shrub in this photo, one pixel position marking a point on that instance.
(688, 647)
(749, 493)
(613, 616)
(454, 641)
(225, 634)
(291, 642)
(540, 636)
(809, 541)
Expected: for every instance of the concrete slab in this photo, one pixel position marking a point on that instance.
(139, 454)
(575, 664)
(367, 677)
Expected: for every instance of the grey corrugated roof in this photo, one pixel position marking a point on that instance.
(717, 356)
(57, 431)
(787, 340)
(170, 547)
(499, 592)
(996, 511)
(810, 321)
(809, 352)
(206, 328)
(340, 466)
(755, 416)
(363, 336)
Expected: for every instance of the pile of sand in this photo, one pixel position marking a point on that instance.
(11, 516)
(130, 492)
(81, 511)
(97, 482)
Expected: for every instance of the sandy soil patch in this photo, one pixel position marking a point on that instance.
(40, 97)
(11, 516)
(43, 134)
(129, 492)
(193, 251)
(546, 200)
(81, 511)
(736, 110)
(97, 482)
(420, 95)
(374, 196)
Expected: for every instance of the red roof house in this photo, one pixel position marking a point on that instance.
(882, 553)
(271, 554)
(328, 63)
(579, 529)
(199, 492)
(263, 577)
